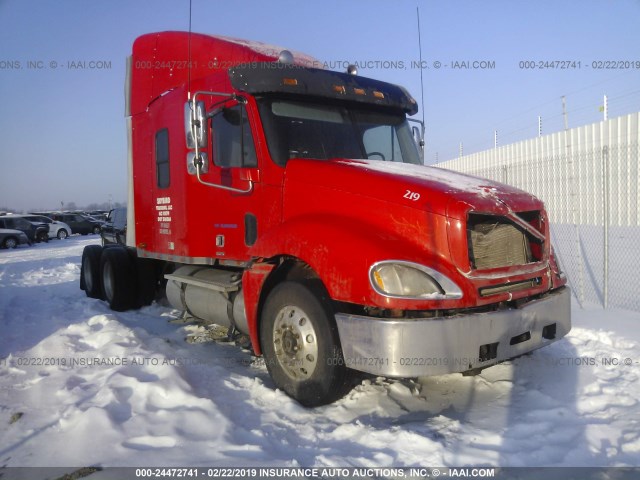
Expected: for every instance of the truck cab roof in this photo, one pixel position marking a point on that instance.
(162, 61)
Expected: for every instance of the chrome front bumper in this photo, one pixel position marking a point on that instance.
(436, 346)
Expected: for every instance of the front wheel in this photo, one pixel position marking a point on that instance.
(301, 346)
(10, 242)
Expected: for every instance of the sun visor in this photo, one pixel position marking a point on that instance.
(276, 77)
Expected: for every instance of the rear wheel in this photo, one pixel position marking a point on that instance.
(62, 234)
(301, 346)
(96, 229)
(90, 278)
(118, 278)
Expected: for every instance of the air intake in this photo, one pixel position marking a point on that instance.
(495, 242)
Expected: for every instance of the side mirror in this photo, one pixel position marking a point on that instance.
(195, 124)
(192, 162)
(417, 136)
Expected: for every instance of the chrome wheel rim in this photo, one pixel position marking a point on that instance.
(295, 343)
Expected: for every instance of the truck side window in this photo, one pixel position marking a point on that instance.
(162, 158)
(381, 141)
(232, 140)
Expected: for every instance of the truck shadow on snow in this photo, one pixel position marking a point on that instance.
(522, 413)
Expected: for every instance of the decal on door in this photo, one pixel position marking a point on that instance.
(163, 209)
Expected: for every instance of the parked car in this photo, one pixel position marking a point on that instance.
(79, 223)
(99, 214)
(35, 231)
(12, 238)
(57, 229)
(115, 228)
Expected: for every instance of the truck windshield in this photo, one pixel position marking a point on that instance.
(310, 130)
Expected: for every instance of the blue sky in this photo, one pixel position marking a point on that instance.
(62, 131)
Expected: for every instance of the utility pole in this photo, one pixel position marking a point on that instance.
(606, 109)
(460, 152)
(539, 126)
(574, 203)
(495, 139)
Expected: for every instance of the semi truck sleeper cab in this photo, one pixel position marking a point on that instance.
(289, 203)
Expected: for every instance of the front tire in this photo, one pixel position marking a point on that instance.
(300, 343)
(10, 242)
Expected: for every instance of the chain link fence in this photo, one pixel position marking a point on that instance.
(588, 178)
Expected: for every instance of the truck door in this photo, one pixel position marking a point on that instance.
(235, 165)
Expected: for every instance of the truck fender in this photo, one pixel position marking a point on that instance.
(340, 250)
(252, 282)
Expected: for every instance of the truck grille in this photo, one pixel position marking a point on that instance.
(496, 242)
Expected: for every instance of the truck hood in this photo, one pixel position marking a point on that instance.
(432, 189)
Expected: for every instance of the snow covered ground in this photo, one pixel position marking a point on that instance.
(81, 385)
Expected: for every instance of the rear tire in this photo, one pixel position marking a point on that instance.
(300, 343)
(90, 277)
(118, 278)
(62, 234)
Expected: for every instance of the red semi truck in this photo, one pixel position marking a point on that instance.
(290, 204)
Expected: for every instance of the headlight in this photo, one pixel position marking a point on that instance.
(396, 278)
